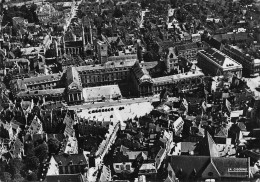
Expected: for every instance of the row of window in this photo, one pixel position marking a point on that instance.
(75, 97)
(42, 86)
(72, 169)
(103, 77)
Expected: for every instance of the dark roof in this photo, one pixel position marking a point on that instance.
(149, 65)
(187, 46)
(36, 93)
(211, 53)
(214, 42)
(242, 126)
(74, 44)
(65, 159)
(188, 163)
(66, 178)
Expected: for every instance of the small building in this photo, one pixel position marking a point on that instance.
(216, 63)
(68, 164)
(19, 22)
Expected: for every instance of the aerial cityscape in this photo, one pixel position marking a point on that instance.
(129, 90)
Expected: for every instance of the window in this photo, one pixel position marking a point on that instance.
(127, 167)
(210, 174)
(170, 174)
(117, 166)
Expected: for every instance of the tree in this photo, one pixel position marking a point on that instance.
(148, 56)
(18, 178)
(54, 145)
(41, 151)
(6, 177)
(15, 166)
(32, 176)
(32, 163)
(118, 13)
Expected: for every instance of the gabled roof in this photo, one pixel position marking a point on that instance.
(187, 164)
(227, 168)
(105, 174)
(73, 78)
(212, 146)
(124, 149)
(222, 132)
(132, 155)
(120, 42)
(161, 154)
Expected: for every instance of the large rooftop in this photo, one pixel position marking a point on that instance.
(41, 78)
(108, 65)
(107, 91)
(221, 59)
(176, 77)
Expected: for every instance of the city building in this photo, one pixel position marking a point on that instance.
(42, 82)
(188, 51)
(251, 66)
(216, 63)
(172, 60)
(102, 51)
(68, 164)
(184, 82)
(111, 72)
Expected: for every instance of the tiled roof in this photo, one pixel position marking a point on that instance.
(212, 146)
(220, 58)
(65, 159)
(40, 79)
(132, 155)
(188, 164)
(66, 177)
(35, 93)
(177, 77)
(231, 167)
(105, 174)
(149, 65)
(123, 57)
(108, 65)
(187, 46)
